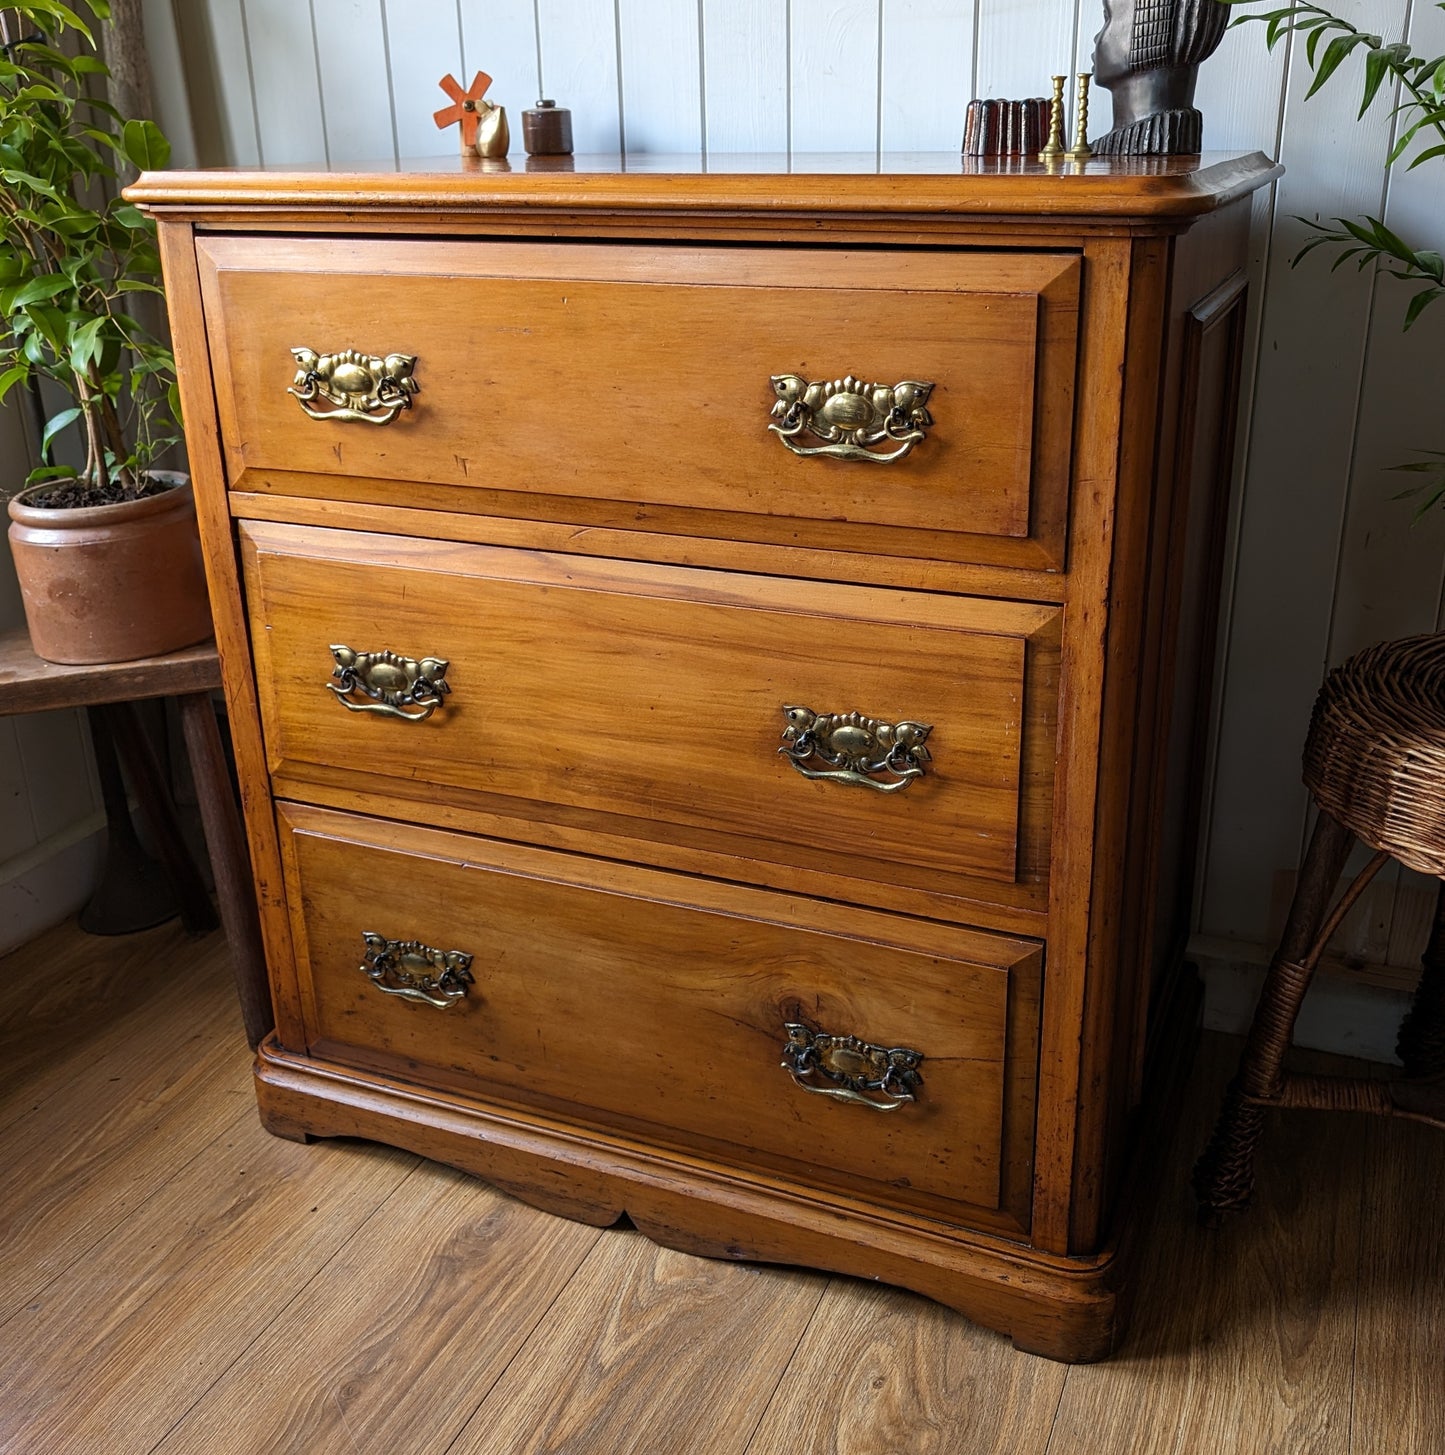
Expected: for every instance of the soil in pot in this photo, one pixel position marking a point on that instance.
(111, 583)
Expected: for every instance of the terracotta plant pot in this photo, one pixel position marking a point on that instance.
(110, 583)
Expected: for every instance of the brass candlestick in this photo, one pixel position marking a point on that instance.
(1081, 151)
(1054, 147)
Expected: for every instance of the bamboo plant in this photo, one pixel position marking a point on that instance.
(1419, 83)
(73, 256)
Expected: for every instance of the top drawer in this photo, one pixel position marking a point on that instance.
(556, 380)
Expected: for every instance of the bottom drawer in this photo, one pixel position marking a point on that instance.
(696, 1015)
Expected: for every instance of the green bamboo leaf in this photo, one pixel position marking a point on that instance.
(1377, 67)
(1437, 150)
(54, 425)
(145, 145)
(1420, 302)
(1332, 59)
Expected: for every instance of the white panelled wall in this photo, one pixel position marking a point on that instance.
(1322, 560)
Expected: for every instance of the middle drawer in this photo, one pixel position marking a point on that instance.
(918, 731)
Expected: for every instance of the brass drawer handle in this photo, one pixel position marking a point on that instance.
(354, 385)
(882, 1078)
(851, 748)
(849, 416)
(384, 682)
(415, 971)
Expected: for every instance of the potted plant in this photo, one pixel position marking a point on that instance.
(106, 548)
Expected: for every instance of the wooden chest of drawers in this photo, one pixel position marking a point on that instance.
(715, 664)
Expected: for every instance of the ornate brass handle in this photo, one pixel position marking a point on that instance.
(384, 682)
(851, 748)
(415, 971)
(849, 416)
(354, 385)
(882, 1078)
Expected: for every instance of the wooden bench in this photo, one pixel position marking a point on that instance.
(109, 693)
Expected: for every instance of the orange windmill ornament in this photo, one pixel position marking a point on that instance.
(483, 124)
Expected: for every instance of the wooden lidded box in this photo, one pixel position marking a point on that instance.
(715, 662)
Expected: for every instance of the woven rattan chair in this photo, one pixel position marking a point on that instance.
(1374, 763)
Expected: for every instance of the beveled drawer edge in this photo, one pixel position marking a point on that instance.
(986, 949)
(1043, 582)
(1019, 910)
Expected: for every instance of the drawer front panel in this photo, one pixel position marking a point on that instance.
(649, 1004)
(658, 693)
(642, 376)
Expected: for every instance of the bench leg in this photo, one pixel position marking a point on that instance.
(154, 801)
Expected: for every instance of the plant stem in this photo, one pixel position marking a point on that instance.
(95, 470)
(116, 436)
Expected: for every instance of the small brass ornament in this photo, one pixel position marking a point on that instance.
(1081, 150)
(483, 123)
(1054, 147)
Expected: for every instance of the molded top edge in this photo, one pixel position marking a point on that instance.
(918, 182)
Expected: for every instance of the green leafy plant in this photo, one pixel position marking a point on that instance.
(72, 259)
(1419, 81)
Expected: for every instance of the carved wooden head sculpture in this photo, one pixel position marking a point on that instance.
(1148, 55)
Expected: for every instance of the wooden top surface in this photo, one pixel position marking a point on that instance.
(1106, 188)
(28, 684)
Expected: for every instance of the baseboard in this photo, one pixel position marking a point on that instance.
(1349, 1014)
(50, 882)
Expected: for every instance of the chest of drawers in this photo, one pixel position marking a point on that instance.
(715, 665)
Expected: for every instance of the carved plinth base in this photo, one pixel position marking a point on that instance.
(1060, 1308)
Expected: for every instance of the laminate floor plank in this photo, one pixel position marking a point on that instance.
(231, 1293)
(70, 1000)
(1399, 1399)
(394, 1344)
(117, 1349)
(1243, 1336)
(880, 1370)
(69, 1182)
(648, 1352)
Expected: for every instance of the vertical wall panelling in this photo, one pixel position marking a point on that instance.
(355, 93)
(424, 41)
(927, 74)
(579, 69)
(1021, 43)
(1388, 580)
(288, 94)
(53, 749)
(17, 827)
(745, 72)
(218, 80)
(1305, 403)
(661, 76)
(1241, 95)
(834, 47)
(168, 86)
(501, 39)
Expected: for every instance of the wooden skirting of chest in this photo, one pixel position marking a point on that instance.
(715, 662)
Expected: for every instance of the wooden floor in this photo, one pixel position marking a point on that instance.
(173, 1279)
